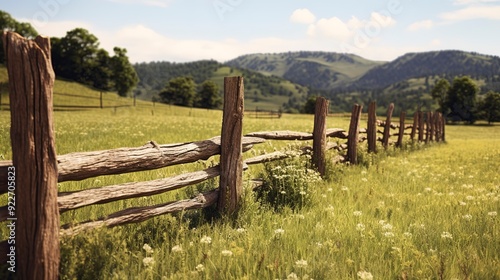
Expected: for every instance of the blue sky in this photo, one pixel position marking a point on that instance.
(189, 30)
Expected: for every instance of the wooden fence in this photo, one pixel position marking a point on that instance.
(31, 177)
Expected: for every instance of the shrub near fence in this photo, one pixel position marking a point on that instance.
(38, 169)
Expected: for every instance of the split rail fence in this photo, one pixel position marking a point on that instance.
(32, 175)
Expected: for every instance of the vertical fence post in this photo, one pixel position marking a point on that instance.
(231, 162)
(401, 133)
(427, 127)
(100, 99)
(31, 81)
(352, 138)
(387, 127)
(421, 126)
(443, 128)
(432, 125)
(414, 127)
(372, 127)
(319, 134)
(437, 124)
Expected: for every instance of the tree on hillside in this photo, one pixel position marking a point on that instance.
(461, 99)
(489, 107)
(439, 93)
(123, 74)
(179, 91)
(74, 55)
(7, 23)
(208, 95)
(310, 105)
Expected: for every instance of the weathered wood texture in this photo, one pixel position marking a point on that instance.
(414, 127)
(319, 134)
(139, 214)
(401, 133)
(371, 129)
(293, 135)
(231, 162)
(79, 166)
(73, 200)
(352, 140)
(31, 81)
(387, 126)
(421, 126)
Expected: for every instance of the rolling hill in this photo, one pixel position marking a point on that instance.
(262, 91)
(316, 70)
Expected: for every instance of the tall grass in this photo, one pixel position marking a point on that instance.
(428, 213)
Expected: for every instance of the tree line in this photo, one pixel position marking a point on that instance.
(77, 57)
(459, 101)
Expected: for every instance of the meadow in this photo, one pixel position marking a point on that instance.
(426, 212)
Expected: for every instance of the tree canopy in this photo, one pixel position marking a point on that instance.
(183, 91)
(78, 57)
(7, 23)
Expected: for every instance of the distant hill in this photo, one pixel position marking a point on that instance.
(438, 63)
(261, 91)
(316, 70)
(346, 79)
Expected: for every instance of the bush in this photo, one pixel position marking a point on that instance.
(288, 182)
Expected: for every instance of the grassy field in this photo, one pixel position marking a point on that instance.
(429, 212)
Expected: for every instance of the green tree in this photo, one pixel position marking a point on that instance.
(7, 23)
(310, 105)
(461, 99)
(489, 107)
(179, 91)
(440, 92)
(209, 95)
(124, 75)
(74, 55)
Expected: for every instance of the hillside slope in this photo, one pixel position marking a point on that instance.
(261, 91)
(317, 70)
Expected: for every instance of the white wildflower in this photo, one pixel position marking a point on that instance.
(226, 253)
(301, 263)
(147, 248)
(357, 213)
(279, 231)
(206, 239)
(148, 261)
(492, 213)
(446, 235)
(365, 275)
(176, 249)
(200, 268)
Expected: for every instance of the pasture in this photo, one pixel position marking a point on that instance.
(428, 212)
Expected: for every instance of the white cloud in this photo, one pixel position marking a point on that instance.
(340, 31)
(425, 24)
(302, 16)
(473, 2)
(56, 29)
(157, 3)
(473, 12)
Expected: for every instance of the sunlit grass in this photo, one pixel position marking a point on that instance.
(428, 213)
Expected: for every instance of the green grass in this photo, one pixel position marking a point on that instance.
(424, 213)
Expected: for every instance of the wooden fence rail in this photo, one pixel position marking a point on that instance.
(38, 169)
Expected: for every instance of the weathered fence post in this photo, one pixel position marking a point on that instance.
(231, 162)
(437, 124)
(100, 99)
(352, 138)
(414, 127)
(443, 128)
(319, 134)
(31, 81)
(387, 127)
(401, 133)
(428, 124)
(371, 129)
(432, 126)
(421, 126)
